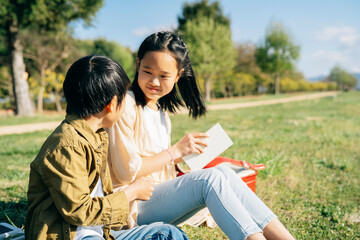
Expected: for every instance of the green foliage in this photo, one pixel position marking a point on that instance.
(278, 52)
(207, 33)
(16, 11)
(116, 52)
(210, 49)
(289, 85)
(320, 86)
(45, 52)
(246, 84)
(85, 47)
(246, 64)
(56, 15)
(343, 79)
(205, 9)
(5, 81)
(3, 48)
(246, 61)
(47, 14)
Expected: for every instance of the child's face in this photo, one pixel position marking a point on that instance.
(157, 74)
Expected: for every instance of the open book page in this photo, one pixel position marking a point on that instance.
(218, 141)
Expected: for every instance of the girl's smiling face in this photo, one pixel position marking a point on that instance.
(157, 74)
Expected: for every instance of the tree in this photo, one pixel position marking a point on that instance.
(55, 86)
(210, 49)
(344, 80)
(246, 63)
(5, 75)
(17, 15)
(46, 50)
(5, 83)
(278, 53)
(195, 10)
(116, 52)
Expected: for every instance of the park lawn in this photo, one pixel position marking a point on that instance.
(253, 98)
(48, 116)
(311, 149)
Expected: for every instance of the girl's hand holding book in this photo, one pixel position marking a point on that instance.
(190, 143)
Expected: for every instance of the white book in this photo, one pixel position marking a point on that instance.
(218, 141)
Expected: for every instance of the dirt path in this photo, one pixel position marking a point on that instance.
(16, 129)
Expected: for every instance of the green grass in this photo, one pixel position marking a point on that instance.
(252, 98)
(311, 149)
(38, 118)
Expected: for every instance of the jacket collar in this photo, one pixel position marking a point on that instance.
(83, 128)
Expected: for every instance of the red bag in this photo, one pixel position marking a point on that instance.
(245, 170)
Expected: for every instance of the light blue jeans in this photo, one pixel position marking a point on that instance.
(235, 208)
(154, 231)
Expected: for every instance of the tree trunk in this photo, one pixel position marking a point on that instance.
(207, 90)
(277, 84)
(58, 102)
(19, 76)
(40, 102)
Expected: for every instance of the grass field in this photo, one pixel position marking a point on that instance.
(252, 98)
(311, 148)
(46, 117)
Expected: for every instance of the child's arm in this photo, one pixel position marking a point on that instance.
(66, 174)
(141, 189)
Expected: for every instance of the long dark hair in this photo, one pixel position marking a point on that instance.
(186, 85)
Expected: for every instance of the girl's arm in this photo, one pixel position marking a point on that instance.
(125, 161)
(190, 143)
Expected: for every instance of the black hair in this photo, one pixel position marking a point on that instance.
(91, 83)
(186, 85)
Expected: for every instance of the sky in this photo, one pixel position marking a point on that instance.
(328, 31)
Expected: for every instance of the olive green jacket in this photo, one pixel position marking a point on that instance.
(62, 176)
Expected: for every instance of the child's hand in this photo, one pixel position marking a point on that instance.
(140, 189)
(190, 143)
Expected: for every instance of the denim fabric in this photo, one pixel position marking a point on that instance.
(152, 231)
(234, 207)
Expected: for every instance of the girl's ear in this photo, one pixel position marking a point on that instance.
(137, 63)
(179, 75)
